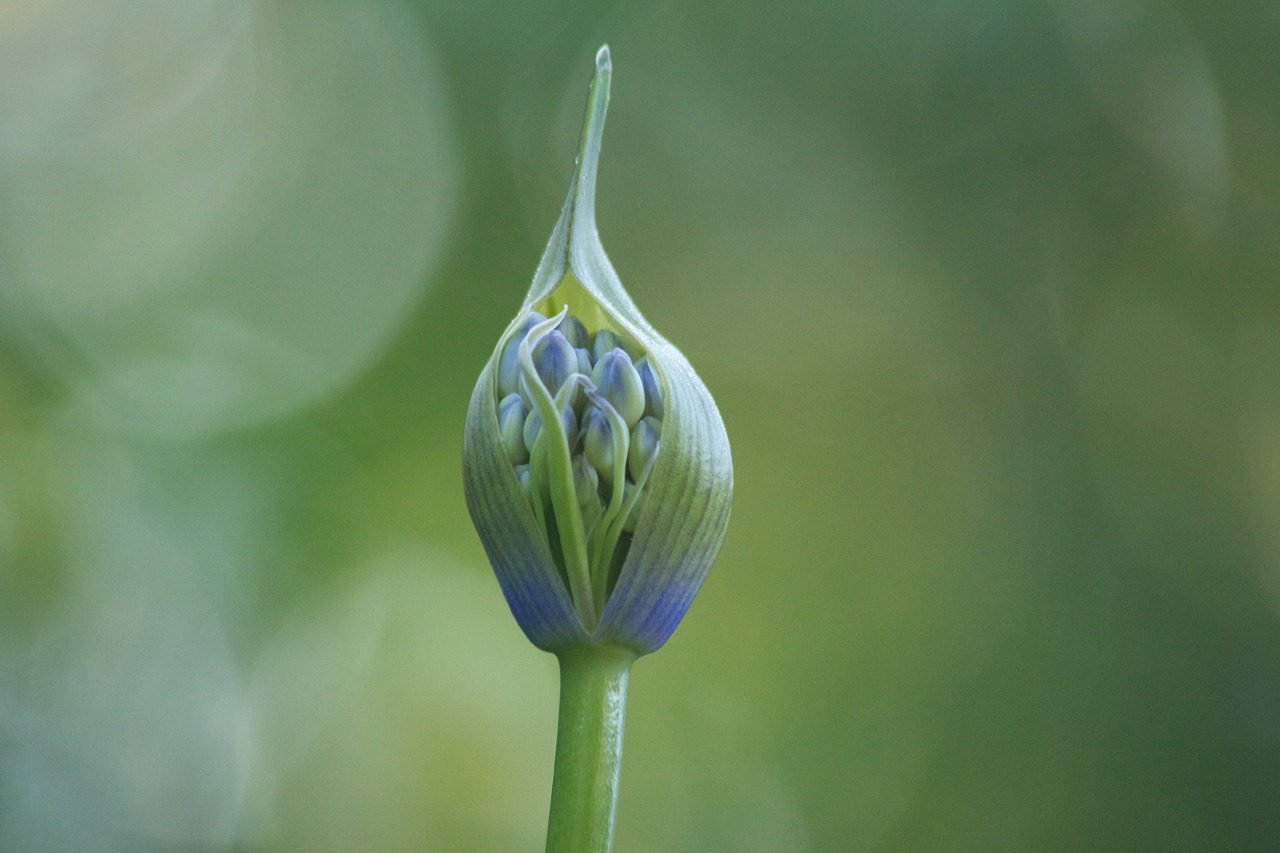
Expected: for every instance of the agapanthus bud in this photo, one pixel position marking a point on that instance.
(511, 421)
(554, 360)
(604, 341)
(599, 442)
(533, 428)
(644, 445)
(617, 381)
(652, 387)
(574, 331)
(616, 560)
(509, 369)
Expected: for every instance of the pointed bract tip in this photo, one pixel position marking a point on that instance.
(602, 59)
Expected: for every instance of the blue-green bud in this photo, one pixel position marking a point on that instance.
(509, 371)
(644, 445)
(554, 360)
(652, 387)
(599, 442)
(533, 428)
(604, 341)
(584, 361)
(574, 331)
(511, 423)
(615, 561)
(616, 379)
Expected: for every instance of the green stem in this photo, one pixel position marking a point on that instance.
(593, 704)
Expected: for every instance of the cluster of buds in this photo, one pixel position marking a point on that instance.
(606, 413)
(596, 465)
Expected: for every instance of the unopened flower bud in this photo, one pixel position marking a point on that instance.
(554, 360)
(511, 422)
(652, 387)
(574, 331)
(533, 427)
(604, 341)
(616, 379)
(644, 444)
(509, 370)
(598, 442)
(615, 560)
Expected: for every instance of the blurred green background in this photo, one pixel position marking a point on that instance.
(987, 294)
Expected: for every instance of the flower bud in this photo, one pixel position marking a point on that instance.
(616, 379)
(652, 388)
(615, 560)
(574, 331)
(604, 341)
(644, 445)
(554, 360)
(533, 428)
(599, 443)
(584, 361)
(509, 370)
(511, 422)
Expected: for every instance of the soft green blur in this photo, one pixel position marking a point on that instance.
(988, 295)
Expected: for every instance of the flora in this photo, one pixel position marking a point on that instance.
(598, 474)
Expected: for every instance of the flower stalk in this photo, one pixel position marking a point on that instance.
(593, 704)
(598, 475)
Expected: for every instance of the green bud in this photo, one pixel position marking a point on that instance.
(652, 387)
(604, 341)
(616, 562)
(574, 331)
(509, 370)
(599, 442)
(644, 446)
(533, 428)
(511, 422)
(616, 379)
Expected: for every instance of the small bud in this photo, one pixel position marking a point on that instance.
(652, 387)
(598, 442)
(574, 331)
(509, 369)
(584, 361)
(616, 379)
(554, 360)
(511, 421)
(533, 427)
(644, 444)
(605, 340)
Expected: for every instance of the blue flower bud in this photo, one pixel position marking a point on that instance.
(616, 562)
(599, 443)
(554, 360)
(511, 421)
(604, 341)
(574, 331)
(644, 444)
(584, 361)
(652, 387)
(509, 369)
(533, 427)
(616, 379)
